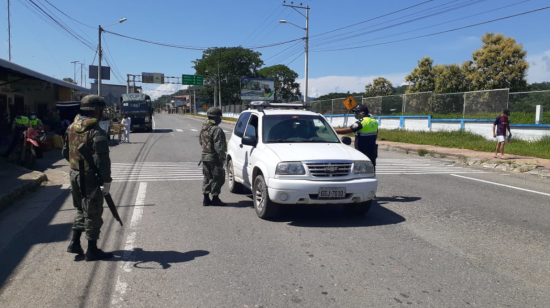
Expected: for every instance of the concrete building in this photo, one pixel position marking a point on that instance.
(22, 88)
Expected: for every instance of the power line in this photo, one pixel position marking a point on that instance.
(450, 9)
(441, 32)
(261, 25)
(374, 18)
(69, 16)
(443, 23)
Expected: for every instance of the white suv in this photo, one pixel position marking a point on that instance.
(285, 155)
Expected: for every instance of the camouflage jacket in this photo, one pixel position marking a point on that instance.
(212, 141)
(86, 130)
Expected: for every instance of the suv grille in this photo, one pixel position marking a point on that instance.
(329, 169)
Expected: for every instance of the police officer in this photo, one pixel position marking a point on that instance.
(214, 149)
(19, 125)
(35, 122)
(366, 132)
(89, 207)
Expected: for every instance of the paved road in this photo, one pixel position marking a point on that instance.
(438, 236)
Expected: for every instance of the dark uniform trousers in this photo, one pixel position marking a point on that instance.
(88, 208)
(214, 177)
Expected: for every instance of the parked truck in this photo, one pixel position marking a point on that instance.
(137, 106)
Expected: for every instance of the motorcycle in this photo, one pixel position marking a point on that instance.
(29, 148)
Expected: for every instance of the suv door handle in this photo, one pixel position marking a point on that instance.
(241, 145)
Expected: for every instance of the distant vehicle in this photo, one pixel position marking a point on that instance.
(137, 106)
(287, 155)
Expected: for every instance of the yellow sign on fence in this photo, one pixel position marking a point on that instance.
(349, 103)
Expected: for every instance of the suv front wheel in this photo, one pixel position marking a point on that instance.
(264, 207)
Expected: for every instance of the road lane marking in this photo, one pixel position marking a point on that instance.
(179, 130)
(194, 130)
(153, 122)
(127, 257)
(390, 166)
(503, 185)
(156, 171)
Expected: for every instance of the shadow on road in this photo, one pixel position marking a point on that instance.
(400, 199)
(162, 131)
(334, 216)
(164, 259)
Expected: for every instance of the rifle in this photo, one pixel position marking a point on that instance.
(85, 152)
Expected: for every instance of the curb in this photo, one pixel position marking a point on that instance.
(476, 162)
(34, 178)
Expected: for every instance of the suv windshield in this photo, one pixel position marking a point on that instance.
(297, 128)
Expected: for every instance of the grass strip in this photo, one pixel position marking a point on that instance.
(468, 140)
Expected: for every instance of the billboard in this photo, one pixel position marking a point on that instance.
(105, 72)
(257, 89)
(152, 78)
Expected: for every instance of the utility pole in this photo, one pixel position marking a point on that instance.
(306, 38)
(81, 72)
(9, 33)
(74, 70)
(100, 54)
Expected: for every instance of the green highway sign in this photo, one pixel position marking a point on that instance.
(192, 80)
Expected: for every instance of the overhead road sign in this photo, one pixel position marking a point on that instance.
(257, 89)
(152, 78)
(192, 80)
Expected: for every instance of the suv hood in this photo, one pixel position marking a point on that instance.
(315, 151)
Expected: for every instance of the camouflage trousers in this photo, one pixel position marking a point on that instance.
(88, 208)
(214, 177)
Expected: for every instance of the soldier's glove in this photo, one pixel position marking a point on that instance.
(105, 188)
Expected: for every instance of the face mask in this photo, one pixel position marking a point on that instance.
(218, 121)
(33, 117)
(358, 116)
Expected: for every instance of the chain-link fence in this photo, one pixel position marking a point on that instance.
(476, 104)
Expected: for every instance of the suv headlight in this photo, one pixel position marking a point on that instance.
(290, 168)
(363, 167)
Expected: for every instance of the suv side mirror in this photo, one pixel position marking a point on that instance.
(249, 140)
(346, 140)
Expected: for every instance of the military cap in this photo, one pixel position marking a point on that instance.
(92, 102)
(214, 112)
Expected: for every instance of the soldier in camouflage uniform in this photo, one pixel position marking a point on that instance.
(214, 149)
(89, 208)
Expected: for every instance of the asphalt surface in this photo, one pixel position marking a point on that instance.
(438, 235)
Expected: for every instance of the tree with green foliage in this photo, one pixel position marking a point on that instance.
(379, 87)
(422, 78)
(286, 87)
(335, 95)
(233, 63)
(68, 79)
(449, 79)
(500, 63)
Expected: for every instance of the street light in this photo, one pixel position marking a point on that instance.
(101, 54)
(306, 39)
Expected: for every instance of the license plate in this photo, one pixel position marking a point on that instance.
(332, 192)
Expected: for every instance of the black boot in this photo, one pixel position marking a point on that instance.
(74, 246)
(94, 254)
(217, 202)
(206, 200)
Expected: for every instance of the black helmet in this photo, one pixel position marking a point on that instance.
(361, 108)
(214, 112)
(92, 102)
(506, 111)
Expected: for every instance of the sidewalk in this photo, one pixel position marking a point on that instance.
(15, 181)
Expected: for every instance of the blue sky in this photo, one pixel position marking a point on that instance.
(39, 45)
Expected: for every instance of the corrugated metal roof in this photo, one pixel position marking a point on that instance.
(27, 71)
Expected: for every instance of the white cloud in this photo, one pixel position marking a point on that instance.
(539, 67)
(328, 84)
(163, 89)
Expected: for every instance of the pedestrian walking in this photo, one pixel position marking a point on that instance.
(86, 192)
(502, 124)
(214, 149)
(366, 132)
(127, 123)
(19, 125)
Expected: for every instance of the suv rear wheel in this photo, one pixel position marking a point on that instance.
(264, 207)
(234, 187)
(358, 209)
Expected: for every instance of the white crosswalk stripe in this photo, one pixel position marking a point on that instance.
(419, 166)
(154, 172)
(179, 130)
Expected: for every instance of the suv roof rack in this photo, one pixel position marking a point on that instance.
(261, 105)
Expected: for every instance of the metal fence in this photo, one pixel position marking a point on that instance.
(456, 104)
(464, 104)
